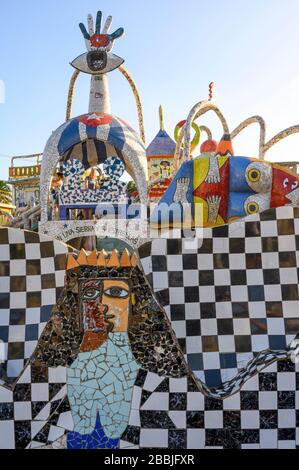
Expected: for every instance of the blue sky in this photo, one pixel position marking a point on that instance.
(173, 49)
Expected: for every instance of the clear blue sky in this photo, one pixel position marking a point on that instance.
(173, 49)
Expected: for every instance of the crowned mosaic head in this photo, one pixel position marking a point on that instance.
(103, 297)
(106, 327)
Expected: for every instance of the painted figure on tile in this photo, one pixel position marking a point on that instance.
(100, 381)
(118, 332)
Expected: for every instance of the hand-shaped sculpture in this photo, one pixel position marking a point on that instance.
(98, 59)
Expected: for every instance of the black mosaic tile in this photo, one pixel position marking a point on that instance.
(243, 343)
(33, 267)
(6, 411)
(285, 226)
(238, 277)
(36, 407)
(141, 376)
(231, 419)
(258, 326)
(191, 294)
(256, 293)
(286, 400)
(207, 310)
(3, 236)
(144, 396)
(253, 261)
(159, 263)
(47, 249)
(210, 343)
(225, 326)
(193, 328)
(252, 229)
(145, 249)
(175, 278)
(155, 419)
(236, 245)
(221, 231)
(189, 261)
(17, 283)
(16, 350)
(267, 381)
(213, 404)
(177, 439)
(17, 251)
(22, 392)
(268, 419)
(22, 434)
(206, 278)
(195, 419)
(222, 293)
(285, 366)
(177, 401)
(163, 386)
(274, 309)
(269, 244)
(287, 434)
(221, 260)
(271, 276)
(287, 259)
(289, 291)
(291, 326)
(4, 268)
(174, 247)
(249, 400)
(177, 312)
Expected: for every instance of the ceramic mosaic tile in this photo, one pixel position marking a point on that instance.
(32, 270)
(233, 297)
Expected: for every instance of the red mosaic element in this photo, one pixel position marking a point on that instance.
(95, 119)
(283, 184)
(99, 40)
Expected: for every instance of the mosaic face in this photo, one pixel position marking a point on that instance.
(105, 308)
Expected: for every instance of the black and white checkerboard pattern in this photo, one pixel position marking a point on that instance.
(29, 415)
(172, 413)
(32, 269)
(233, 296)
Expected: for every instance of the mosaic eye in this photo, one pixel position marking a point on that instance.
(252, 208)
(97, 62)
(259, 176)
(116, 292)
(254, 174)
(294, 184)
(285, 182)
(91, 293)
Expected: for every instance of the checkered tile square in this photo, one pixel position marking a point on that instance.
(32, 269)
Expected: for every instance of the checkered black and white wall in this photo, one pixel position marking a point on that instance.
(234, 295)
(32, 269)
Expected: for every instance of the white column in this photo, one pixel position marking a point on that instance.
(99, 100)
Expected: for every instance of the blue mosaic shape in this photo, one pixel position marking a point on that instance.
(95, 440)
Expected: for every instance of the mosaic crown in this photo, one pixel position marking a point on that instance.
(101, 258)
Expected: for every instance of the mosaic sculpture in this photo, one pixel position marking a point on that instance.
(228, 321)
(215, 188)
(160, 154)
(183, 342)
(95, 138)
